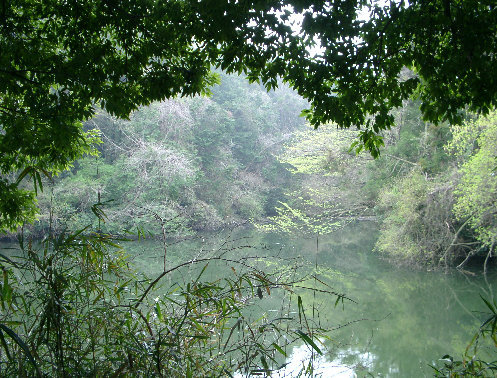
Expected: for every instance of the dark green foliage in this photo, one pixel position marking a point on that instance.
(60, 59)
(15, 204)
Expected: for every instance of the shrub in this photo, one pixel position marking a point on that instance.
(75, 307)
(419, 227)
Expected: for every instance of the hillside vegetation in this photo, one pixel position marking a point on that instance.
(197, 163)
(244, 156)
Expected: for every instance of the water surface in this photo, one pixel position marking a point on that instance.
(398, 322)
(403, 319)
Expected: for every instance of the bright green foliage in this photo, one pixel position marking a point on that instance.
(418, 226)
(322, 151)
(60, 59)
(315, 218)
(325, 173)
(477, 191)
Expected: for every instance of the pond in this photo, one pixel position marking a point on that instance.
(400, 321)
(397, 322)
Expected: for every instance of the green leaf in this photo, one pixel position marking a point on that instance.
(264, 363)
(23, 346)
(158, 311)
(23, 174)
(279, 349)
(308, 341)
(300, 308)
(489, 305)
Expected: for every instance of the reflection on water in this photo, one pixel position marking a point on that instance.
(323, 367)
(298, 362)
(403, 321)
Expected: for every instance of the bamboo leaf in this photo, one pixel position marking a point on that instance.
(308, 341)
(278, 348)
(23, 174)
(264, 363)
(23, 346)
(201, 272)
(300, 307)
(158, 311)
(489, 305)
(38, 178)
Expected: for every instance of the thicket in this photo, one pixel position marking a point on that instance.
(436, 191)
(74, 306)
(199, 163)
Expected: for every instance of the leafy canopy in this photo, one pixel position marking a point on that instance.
(61, 59)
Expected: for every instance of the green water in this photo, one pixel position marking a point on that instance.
(399, 321)
(402, 321)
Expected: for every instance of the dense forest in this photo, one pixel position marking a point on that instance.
(200, 163)
(292, 119)
(244, 156)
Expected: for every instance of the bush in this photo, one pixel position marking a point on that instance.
(75, 307)
(419, 227)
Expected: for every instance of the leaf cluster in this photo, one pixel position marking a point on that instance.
(61, 59)
(74, 306)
